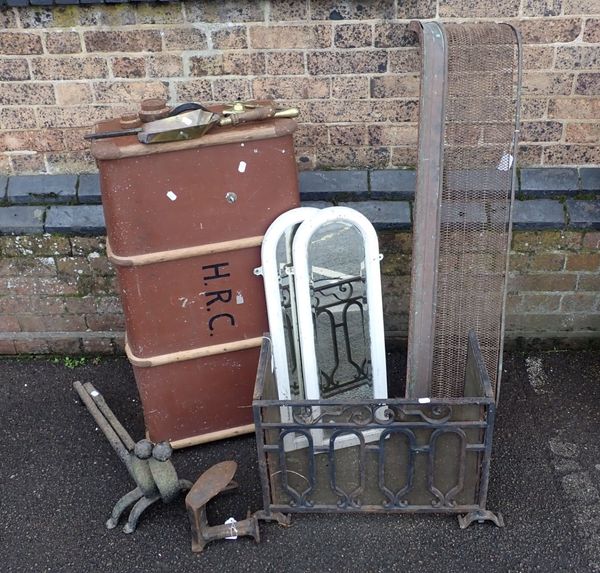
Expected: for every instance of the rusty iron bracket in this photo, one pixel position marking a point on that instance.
(214, 481)
(148, 464)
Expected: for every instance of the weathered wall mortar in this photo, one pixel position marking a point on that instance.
(351, 67)
(60, 295)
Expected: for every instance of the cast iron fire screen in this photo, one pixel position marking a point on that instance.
(468, 127)
(421, 455)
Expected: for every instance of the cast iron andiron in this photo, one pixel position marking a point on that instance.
(148, 464)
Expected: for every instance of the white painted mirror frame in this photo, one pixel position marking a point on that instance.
(310, 219)
(302, 272)
(270, 271)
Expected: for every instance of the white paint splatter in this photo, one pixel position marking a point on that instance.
(562, 448)
(537, 376)
(505, 162)
(239, 299)
(242, 167)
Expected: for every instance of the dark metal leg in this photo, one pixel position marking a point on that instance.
(480, 516)
(122, 505)
(137, 511)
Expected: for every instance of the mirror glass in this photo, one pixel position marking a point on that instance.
(336, 261)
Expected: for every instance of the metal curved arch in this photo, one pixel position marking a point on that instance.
(394, 499)
(347, 499)
(298, 499)
(446, 499)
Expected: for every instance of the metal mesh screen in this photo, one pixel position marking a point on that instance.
(479, 135)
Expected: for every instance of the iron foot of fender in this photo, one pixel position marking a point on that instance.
(480, 516)
(281, 518)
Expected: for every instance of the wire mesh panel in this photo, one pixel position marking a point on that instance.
(478, 138)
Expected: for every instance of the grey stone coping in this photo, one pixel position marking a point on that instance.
(583, 214)
(31, 189)
(549, 181)
(590, 179)
(20, 3)
(330, 185)
(75, 219)
(3, 185)
(463, 213)
(22, 220)
(317, 204)
(384, 214)
(88, 190)
(383, 195)
(335, 184)
(538, 214)
(396, 184)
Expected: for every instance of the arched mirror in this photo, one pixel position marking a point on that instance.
(323, 292)
(340, 312)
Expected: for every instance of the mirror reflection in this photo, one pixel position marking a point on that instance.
(336, 260)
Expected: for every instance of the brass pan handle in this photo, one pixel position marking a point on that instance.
(258, 114)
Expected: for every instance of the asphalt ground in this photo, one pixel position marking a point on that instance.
(59, 479)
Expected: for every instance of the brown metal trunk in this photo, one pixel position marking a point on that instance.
(185, 222)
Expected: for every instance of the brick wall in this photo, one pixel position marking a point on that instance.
(61, 293)
(351, 68)
(553, 291)
(58, 292)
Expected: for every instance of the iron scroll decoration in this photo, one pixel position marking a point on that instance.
(429, 457)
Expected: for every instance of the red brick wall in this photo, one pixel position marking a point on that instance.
(59, 294)
(351, 67)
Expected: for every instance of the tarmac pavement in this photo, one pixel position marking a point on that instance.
(59, 479)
